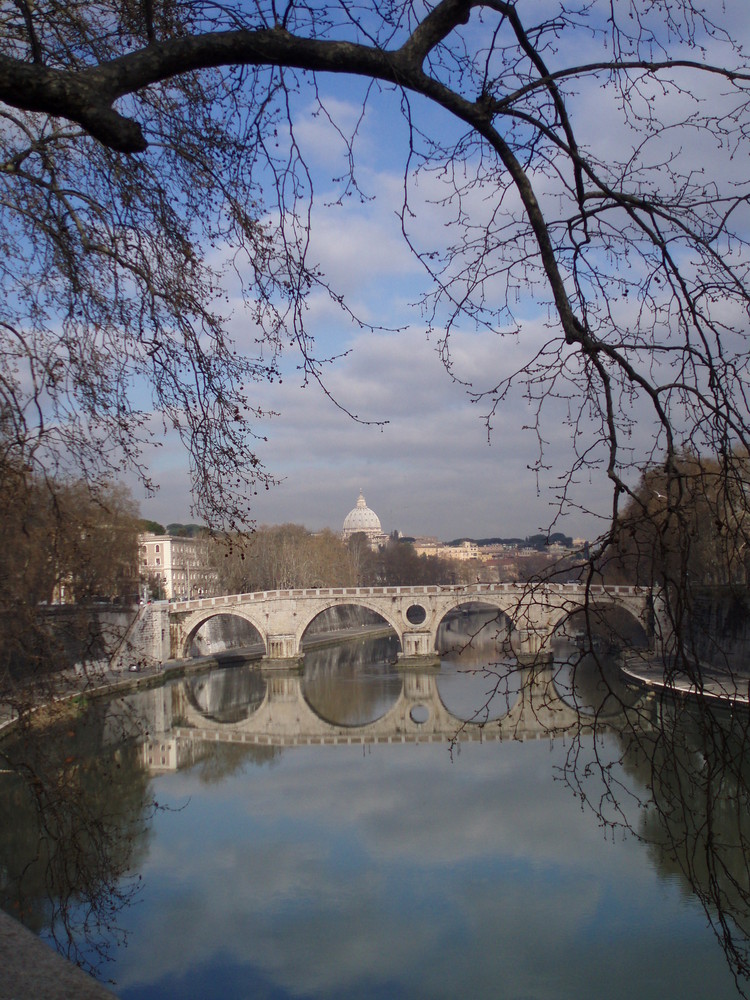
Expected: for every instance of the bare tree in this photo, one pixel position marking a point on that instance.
(64, 544)
(282, 557)
(137, 138)
(138, 135)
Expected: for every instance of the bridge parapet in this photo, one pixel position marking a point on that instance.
(475, 590)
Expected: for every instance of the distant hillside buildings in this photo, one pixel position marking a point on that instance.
(511, 560)
(432, 547)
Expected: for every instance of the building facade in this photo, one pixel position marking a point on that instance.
(176, 568)
(462, 552)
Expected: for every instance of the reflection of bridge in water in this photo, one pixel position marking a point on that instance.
(278, 713)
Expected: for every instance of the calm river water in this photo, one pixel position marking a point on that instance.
(338, 834)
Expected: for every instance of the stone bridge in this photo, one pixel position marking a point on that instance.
(281, 618)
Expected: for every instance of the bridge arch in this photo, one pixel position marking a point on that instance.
(505, 617)
(501, 619)
(608, 618)
(351, 601)
(192, 625)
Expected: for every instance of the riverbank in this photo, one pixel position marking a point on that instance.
(719, 686)
(30, 968)
(103, 682)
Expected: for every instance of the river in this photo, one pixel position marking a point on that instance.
(355, 831)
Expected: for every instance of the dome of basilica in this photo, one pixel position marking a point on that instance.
(361, 518)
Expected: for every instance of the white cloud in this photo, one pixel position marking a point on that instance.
(430, 469)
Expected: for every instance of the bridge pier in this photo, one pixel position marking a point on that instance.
(661, 632)
(418, 650)
(531, 645)
(282, 651)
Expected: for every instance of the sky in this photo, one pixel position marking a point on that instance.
(427, 463)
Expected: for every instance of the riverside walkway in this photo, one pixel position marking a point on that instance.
(731, 687)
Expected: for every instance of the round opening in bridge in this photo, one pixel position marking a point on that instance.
(416, 614)
(420, 714)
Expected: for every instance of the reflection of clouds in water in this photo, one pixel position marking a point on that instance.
(339, 868)
(358, 870)
(410, 803)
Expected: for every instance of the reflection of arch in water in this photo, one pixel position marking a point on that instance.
(418, 715)
(219, 631)
(226, 696)
(588, 679)
(477, 682)
(478, 695)
(591, 684)
(352, 684)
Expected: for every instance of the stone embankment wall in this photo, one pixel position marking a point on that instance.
(99, 637)
(146, 641)
(721, 628)
(85, 636)
(94, 637)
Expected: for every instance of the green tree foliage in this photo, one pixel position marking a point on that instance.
(185, 530)
(151, 526)
(542, 542)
